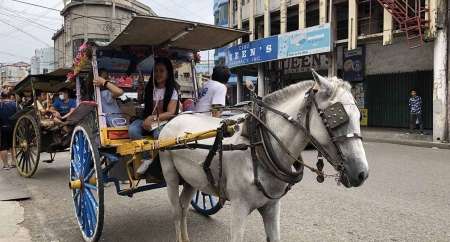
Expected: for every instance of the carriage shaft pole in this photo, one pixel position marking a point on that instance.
(137, 146)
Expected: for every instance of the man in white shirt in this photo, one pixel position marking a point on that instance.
(213, 94)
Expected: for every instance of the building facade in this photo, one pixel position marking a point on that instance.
(382, 53)
(92, 20)
(11, 74)
(221, 18)
(43, 61)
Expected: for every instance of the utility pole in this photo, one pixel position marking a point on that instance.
(447, 8)
(283, 16)
(261, 86)
(440, 90)
(251, 20)
(240, 77)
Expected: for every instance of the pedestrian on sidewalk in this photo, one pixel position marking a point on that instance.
(415, 112)
(7, 109)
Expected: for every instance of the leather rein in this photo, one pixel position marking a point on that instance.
(263, 154)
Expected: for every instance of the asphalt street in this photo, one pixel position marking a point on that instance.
(406, 198)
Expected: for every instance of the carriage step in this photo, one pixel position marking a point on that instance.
(48, 161)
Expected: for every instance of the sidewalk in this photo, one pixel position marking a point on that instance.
(11, 212)
(402, 137)
(12, 216)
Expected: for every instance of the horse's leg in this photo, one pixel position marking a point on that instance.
(271, 218)
(239, 213)
(172, 179)
(185, 200)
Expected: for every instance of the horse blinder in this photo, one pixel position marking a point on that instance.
(335, 115)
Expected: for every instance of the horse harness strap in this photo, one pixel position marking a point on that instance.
(216, 147)
(332, 117)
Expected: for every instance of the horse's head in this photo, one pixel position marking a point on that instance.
(346, 132)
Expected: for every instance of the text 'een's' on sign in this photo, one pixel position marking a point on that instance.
(253, 52)
(313, 40)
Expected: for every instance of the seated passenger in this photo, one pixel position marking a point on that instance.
(47, 118)
(63, 106)
(41, 102)
(214, 92)
(161, 101)
(109, 92)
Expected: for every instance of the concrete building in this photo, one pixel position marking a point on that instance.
(221, 18)
(11, 74)
(43, 61)
(384, 48)
(94, 20)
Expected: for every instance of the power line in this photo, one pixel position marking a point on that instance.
(26, 33)
(11, 54)
(80, 15)
(36, 5)
(21, 13)
(191, 11)
(177, 6)
(27, 20)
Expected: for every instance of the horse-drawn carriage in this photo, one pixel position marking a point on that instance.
(101, 153)
(33, 132)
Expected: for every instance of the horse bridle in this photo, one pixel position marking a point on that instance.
(333, 117)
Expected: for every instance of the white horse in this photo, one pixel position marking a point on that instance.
(238, 186)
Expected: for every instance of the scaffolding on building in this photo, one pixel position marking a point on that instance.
(411, 16)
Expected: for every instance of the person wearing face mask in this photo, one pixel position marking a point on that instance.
(161, 104)
(63, 106)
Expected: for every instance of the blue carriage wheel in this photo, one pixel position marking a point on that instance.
(205, 204)
(86, 184)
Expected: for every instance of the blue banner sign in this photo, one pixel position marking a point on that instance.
(313, 40)
(253, 52)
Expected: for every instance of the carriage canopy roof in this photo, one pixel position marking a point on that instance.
(49, 82)
(175, 33)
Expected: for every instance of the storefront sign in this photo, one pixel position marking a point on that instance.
(354, 64)
(253, 52)
(303, 64)
(313, 40)
(308, 41)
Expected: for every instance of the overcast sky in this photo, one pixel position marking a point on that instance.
(24, 28)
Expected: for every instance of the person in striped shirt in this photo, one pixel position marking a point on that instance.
(415, 112)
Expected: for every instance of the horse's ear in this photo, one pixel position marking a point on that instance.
(322, 82)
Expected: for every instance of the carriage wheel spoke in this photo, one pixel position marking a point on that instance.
(25, 162)
(204, 201)
(91, 198)
(196, 197)
(91, 187)
(20, 131)
(89, 175)
(211, 200)
(88, 216)
(75, 169)
(32, 160)
(22, 162)
(19, 152)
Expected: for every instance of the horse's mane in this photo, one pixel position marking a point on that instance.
(289, 91)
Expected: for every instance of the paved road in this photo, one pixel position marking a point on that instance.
(406, 198)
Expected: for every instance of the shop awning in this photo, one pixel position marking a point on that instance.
(175, 33)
